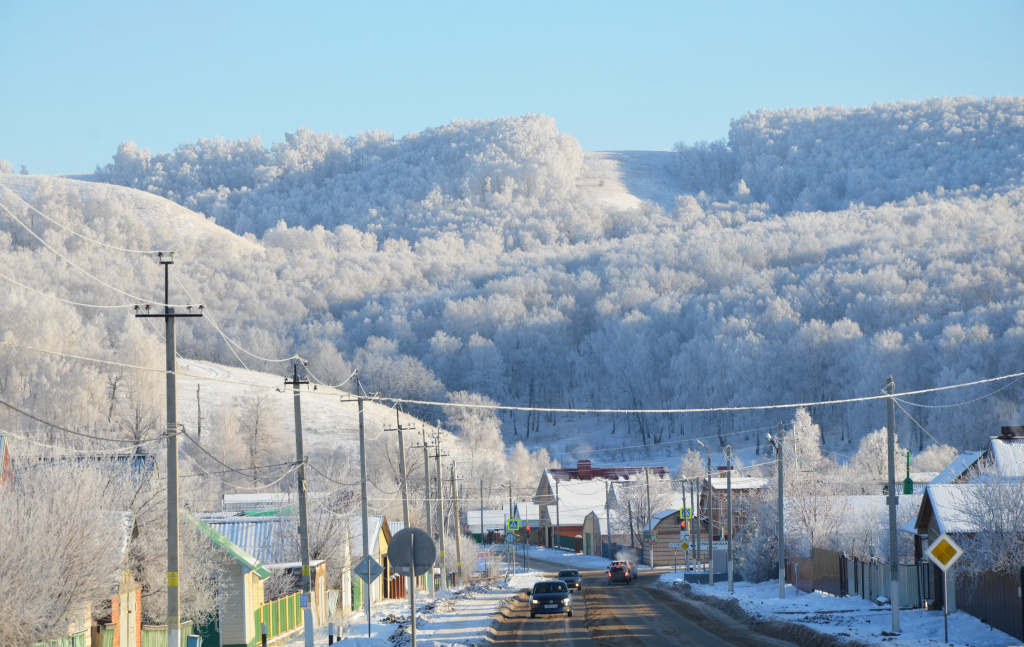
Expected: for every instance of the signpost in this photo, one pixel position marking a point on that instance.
(412, 553)
(368, 571)
(944, 552)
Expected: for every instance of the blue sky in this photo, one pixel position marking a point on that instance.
(80, 77)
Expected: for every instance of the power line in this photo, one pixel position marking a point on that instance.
(78, 433)
(79, 268)
(72, 231)
(57, 298)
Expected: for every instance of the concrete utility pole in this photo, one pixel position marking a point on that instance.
(173, 612)
(509, 531)
(695, 508)
(894, 584)
(608, 515)
(401, 466)
(362, 475)
(440, 504)
(777, 444)
(650, 512)
(711, 521)
(426, 495)
(482, 529)
(300, 457)
(558, 518)
(458, 528)
(728, 486)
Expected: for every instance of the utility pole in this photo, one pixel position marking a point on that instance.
(401, 466)
(608, 515)
(650, 513)
(440, 504)
(458, 529)
(510, 531)
(695, 507)
(482, 529)
(169, 315)
(300, 457)
(894, 583)
(728, 486)
(558, 517)
(711, 521)
(426, 494)
(777, 444)
(366, 518)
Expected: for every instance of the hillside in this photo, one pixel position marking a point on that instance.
(497, 258)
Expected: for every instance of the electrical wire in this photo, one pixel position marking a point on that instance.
(958, 404)
(80, 235)
(761, 407)
(57, 298)
(898, 404)
(28, 415)
(79, 268)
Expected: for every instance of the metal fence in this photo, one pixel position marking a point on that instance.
(281, 615)
(836, 574)
(995, 599)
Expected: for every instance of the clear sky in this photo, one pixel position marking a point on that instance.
(80, 77)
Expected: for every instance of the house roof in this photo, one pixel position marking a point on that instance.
(375, 523)
(956, 468)
(658, 518)
(585, 472)
(233, 551)
(1008, 454)
(268, 539)
(576, 499)
(260, 501)
(739, 483)
(947, 504)
(527, 510)
(395, 526)
(493, 520)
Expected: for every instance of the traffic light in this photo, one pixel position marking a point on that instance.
(527, 532)
(682, 525)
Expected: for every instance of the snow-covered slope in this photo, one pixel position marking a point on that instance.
(622, 180)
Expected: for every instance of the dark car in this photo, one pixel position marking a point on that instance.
(571, 577)
(550, 596)
(618, 572)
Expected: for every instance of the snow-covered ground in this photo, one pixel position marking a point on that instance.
(454, 617)
(851, 617)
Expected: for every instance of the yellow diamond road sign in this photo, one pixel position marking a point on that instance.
(944, 552)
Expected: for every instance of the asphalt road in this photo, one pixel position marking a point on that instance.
(633, 615)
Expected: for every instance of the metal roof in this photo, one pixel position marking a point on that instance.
(222, 542)
(656, 519)
(356, 531)
(261, 501)
(956, 468)
(948, 504)
(739, 483)
(1008, 455)
(268, 539)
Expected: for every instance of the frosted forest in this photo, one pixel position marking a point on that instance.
(804, 259)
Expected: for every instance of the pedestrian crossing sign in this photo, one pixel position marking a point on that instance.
(513, 524)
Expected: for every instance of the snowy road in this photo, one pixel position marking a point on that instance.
(627, 615)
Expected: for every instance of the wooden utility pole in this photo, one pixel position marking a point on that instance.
(173, 611)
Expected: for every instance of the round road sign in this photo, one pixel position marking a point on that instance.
(412, 549)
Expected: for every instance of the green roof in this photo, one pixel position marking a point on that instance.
(232, 549)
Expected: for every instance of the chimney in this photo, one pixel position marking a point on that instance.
(1011, 432)
(583, 472)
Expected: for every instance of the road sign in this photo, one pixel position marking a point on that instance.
(412, 551)
(649, 537)
(718, 545)
(303, 600)
(513, 524)
(686, 513)
(370, 563)
(683, 545)
(944, 552)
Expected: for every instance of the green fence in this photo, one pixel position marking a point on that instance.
(156, 636)
(74, 640)
(281, 616)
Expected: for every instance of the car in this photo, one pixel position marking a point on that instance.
(618, 572)
(572, 579)
(550, 596)
(632, 569)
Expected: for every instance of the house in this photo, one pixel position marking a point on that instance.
(123, 627)
(258, 501)
(240, 578)
(666, 548)
(493, 524)
(379, 538)
(714, 502)
(566, 496)
(591, 535)
(270, 539)
(397, 588)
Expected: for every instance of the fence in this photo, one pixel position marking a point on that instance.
(281, 616)
(836, 574)
(994, 599)
(156, 635)
(74, 640)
